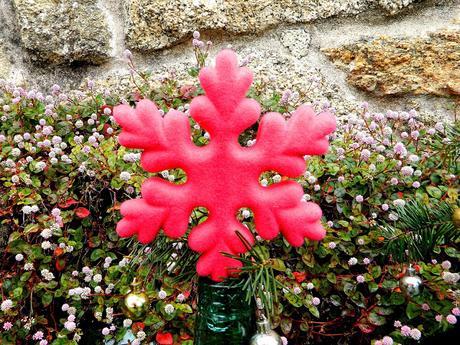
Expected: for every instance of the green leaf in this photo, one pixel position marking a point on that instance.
(25, 276)
(452, 252)
(383, 311)
(413, 310)
(313, 310)
(14, 236)
(17, 292)
(335, 300)
(331, 277)
(278, 265)
(376, 271)
(47, 298)
(97, 254)
(349, 289)
(397, 299)
(433, 191)
(376, 319)
(295, 300)
(373, 287)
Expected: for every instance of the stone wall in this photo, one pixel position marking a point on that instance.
(393, 54)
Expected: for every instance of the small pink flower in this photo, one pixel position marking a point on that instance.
(387, 340)
(7, 326)
(315, 301)
(456, 311)
(415, 334)
(359, 198)
(400, 149)
(397, 324)
(425, 307)
(360, 279)
(405, 331)
(331, 245)
(451, 319)
(446, 264)
(378, 342)
(438, 318)
(38, 335)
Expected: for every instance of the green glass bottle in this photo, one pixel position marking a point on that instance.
(224, 317)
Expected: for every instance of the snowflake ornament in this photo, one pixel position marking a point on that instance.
(222, 176)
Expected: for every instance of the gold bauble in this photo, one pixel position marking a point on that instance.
(456, 217)
(136, 303)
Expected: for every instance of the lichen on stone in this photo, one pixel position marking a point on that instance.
(5, 64)
(391, 66)
(63, 31)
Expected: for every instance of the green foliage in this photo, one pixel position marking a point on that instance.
(61, 186)
(420, 231)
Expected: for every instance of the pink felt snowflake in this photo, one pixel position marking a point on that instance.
(222, 176)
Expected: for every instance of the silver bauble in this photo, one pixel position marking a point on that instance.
(411, 284)
(265, 335)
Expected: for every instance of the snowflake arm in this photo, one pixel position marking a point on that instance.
(163, 205)
(284, 143)
(165, 141)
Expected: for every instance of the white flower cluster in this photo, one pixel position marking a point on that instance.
(450, 278)
(109, 314)
(123, 262)
(83, 293)
(125, 176)
(107, 262)
(6, 305)
(47, 275)
(46, 233)
(169, 309)
(131, 157)
(88, 273)
(30, 209)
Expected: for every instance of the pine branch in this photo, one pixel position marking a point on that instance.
(419, 230)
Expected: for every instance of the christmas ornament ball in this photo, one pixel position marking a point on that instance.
(411, 284)
(265, 335)
(456, 217)
(136, 303)
(270, 338)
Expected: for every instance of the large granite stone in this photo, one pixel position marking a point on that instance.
(155, 24)
(63, 31)
(5, 64)
(397, 66)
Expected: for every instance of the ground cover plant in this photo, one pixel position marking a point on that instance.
(64, 271)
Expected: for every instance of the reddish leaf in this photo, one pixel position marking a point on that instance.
(137, 326)
(82, 212)
(58, 251)
(300, 276)
(366, 328)
(164, 338)
(185, 336)
(60, 265)
(187, 91)
(68, 203)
